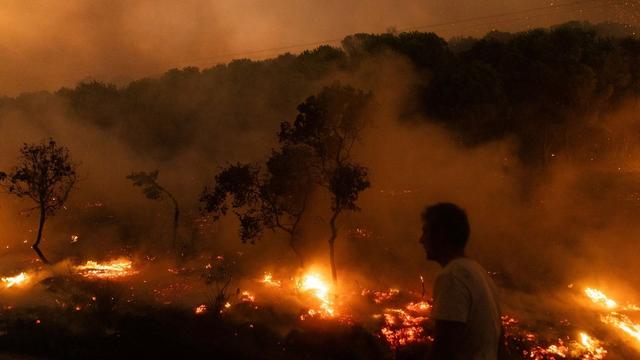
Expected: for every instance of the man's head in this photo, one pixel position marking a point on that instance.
(445, 231)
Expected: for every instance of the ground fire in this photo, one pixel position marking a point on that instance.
(16, 280)
(112, 269)
(616, 317)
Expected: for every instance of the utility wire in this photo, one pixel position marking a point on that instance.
(419, 27)
(605, 4)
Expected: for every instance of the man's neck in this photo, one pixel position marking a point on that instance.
(446, 260)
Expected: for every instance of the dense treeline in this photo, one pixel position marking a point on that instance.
(548, 88)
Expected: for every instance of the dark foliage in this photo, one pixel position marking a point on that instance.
(542, 87)
(46, 175)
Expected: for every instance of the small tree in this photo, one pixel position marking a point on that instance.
(152, 190)
(346, 184)
(218, 276)
(275, 199)
(46, 175)
(329, 124)
(315, 152)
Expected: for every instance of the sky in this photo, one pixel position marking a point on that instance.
(46, 44)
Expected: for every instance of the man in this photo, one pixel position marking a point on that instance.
(465, 306)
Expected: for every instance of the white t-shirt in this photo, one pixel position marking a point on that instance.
(465, 293)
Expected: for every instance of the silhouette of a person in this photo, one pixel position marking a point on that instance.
(465, 303)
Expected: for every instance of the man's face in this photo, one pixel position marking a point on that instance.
(429, 242)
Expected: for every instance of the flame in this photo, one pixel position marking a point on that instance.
(247, 297)
(618, 320)
(592, 346)
(268, 280)
(315, 284)
(17, 280)
(623, 323)
(598, 297)
(109, 270)
(200, 309)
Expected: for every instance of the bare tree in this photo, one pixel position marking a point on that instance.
(46, 175)
(218, 275)
(152, 190)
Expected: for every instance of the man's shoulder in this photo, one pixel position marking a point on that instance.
(462, 264)
(463, 269)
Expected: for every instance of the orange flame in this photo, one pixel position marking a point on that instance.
(268, 280)
(620, 321)
(109, 270)
(315, 284)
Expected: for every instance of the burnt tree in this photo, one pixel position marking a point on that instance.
(154, 191)
(46, 175)
(329, 125)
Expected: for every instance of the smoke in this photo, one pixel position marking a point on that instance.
(48, 44)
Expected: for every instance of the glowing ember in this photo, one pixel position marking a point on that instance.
(315, 284)
(382, 296)
(109, 270)
(268, 280)
(17, 280)
(588, 348)
(421, 306)
(247, 297)
(402, 328)
(200, 309)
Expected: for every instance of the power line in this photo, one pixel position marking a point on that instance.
(419, 27)
(517, 12)
(606, 3)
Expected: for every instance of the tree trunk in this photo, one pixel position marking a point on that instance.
(292, 245)
(176, 220)
(332, 240)
(36, 245)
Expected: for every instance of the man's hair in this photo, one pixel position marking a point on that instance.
(450, 220)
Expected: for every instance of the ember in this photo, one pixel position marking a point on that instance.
(110, 270)
(246, 296)
(405, 326)
(200, 309)
(17, 280)
(383, 296)
(402, 327)
(588, 348)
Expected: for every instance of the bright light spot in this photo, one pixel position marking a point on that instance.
(17, 280)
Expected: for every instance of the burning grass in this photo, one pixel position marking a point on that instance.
(616, 318)
(111, 270)
(307, 303)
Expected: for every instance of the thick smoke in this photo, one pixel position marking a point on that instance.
(46, 44)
